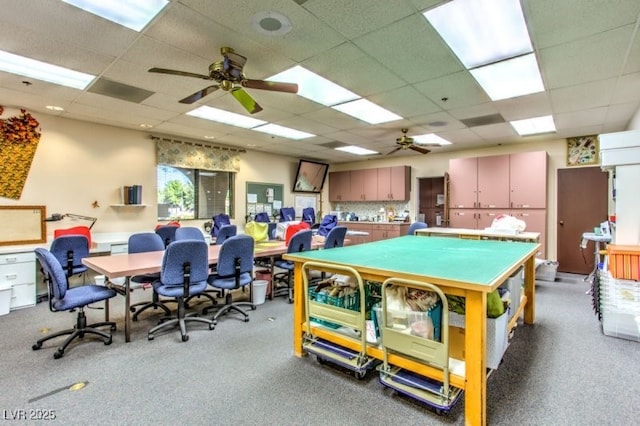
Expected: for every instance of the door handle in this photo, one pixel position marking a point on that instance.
(561, 222)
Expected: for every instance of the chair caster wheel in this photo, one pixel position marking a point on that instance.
(246, 319)
(132, 309)
(150, 337)
(254, 307)
(58, 354)
(108, 341)
(36, 346)
(212, 326)
(360, 374)
(290, 300)
(185, 338)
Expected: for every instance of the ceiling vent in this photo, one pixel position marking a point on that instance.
(483, 121)
(124, 92)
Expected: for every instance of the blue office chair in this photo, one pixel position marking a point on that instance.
(69, 250)
(226, 232)
(140, 243)
(309, 215)
(189, 233)
(219, 221)
(416, 225)
(328, 222)
(185, 268)
(301, 241)
(63, 298)
(233, 271)
(287, 214)
(262, 217)
(167, 233)
(335, 237)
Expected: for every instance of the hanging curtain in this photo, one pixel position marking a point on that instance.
(192, 155)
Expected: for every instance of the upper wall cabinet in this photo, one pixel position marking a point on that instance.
(528, 180)
(479, 182)
(394, 183)
(382, 184)
(340, 186)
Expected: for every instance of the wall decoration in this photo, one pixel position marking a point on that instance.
(19, 137)
(582, 151)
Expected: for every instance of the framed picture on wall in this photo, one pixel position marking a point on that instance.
(582, 151)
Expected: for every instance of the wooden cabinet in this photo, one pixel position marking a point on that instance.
(472, 218)
(536, 220)
(19, 271)
(383, 184)
(479, 182)
(340, 186)
(394, 183)
(528, 180)
(364, 185)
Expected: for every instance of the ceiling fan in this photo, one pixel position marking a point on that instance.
(229, 76)
(406, 142)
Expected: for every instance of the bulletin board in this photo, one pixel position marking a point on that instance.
(303, 201)
(22, 225)
(264, 197)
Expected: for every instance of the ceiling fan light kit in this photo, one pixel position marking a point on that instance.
(229, 75)
(407, 142)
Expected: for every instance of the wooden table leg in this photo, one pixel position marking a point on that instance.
(298, 309)
(475, 400)
(530, 291)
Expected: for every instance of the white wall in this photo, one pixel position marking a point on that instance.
(77, 163)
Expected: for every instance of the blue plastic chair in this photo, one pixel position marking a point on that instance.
(301, 241)
(189, 233)
(69, 250)
(416, 225)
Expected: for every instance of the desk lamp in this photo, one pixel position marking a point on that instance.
(55, 217)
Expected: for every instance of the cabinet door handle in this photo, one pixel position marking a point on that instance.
(11, 259)
(11, 276)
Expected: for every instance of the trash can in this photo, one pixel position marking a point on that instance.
(259, 291)
(264, 274)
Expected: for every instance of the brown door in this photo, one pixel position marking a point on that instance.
(582, 205)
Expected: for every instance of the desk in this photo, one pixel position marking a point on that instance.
(479, 234)
(127, 265)
(469, 268)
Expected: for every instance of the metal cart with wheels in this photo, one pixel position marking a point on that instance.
(439, 395)
(337, 313)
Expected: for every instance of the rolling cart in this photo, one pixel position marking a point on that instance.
(347, 312)
(441, 396)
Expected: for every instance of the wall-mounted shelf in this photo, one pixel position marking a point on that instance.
(128, 205)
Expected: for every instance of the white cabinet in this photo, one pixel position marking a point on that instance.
(19, 270)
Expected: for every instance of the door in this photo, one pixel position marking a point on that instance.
(582, 205)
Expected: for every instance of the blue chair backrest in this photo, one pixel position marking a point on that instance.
(237, 250)
(145, 241)
(76, 246)
(309, 215)
(262, 217)
(329, 222)
(226, 232)
(189, 233)
(167, 233)
(219, 221)
(287, 214)
(301, 241)
(416, 225)
(53, 271)
(177, 254)
(335, 237)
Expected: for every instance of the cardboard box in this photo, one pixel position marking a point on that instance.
(496, 338)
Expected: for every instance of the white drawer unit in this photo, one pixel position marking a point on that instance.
(119, 248)
(19, 270)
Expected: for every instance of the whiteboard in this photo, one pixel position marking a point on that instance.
(303, 201)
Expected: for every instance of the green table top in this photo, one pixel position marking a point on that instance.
(478, 262)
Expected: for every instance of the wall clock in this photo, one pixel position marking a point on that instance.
(582, 151)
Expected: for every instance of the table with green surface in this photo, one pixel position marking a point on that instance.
(460, 267)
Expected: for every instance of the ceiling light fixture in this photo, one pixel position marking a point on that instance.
(21, 65)
(352, 149)
(131, 14)
(367, 111)
(533, 126)
(54, 108)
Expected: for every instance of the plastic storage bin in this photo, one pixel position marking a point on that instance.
(514, 285)
(412, 322)
(547, 270)
(496, 337)
(349, 301)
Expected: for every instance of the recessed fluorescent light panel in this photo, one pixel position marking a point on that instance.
(509, 79)
(430, 139)
(532, 126)
(42, 71)
(352, 149)
(314, 87)
(285, 132)
(481, 32)
(131, 14)
(367, 111)
(225, 117)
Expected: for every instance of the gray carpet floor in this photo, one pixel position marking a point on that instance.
(560, 371)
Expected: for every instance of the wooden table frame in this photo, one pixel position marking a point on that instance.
(474, 382)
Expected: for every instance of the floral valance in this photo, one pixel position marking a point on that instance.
(193, 155)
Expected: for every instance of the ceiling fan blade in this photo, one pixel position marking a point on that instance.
(199, 94)
(182, 73)
(246, 100)
(396, 149)
(233, 63)
(274, 86)
(420, 150)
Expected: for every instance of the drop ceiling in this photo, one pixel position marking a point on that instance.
(386, 52)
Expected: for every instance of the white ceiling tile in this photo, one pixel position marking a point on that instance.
(455, 90)
(582, 96)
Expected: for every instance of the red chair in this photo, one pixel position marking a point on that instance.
(76, 230)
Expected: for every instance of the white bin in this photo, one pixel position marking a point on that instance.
(259, 291)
